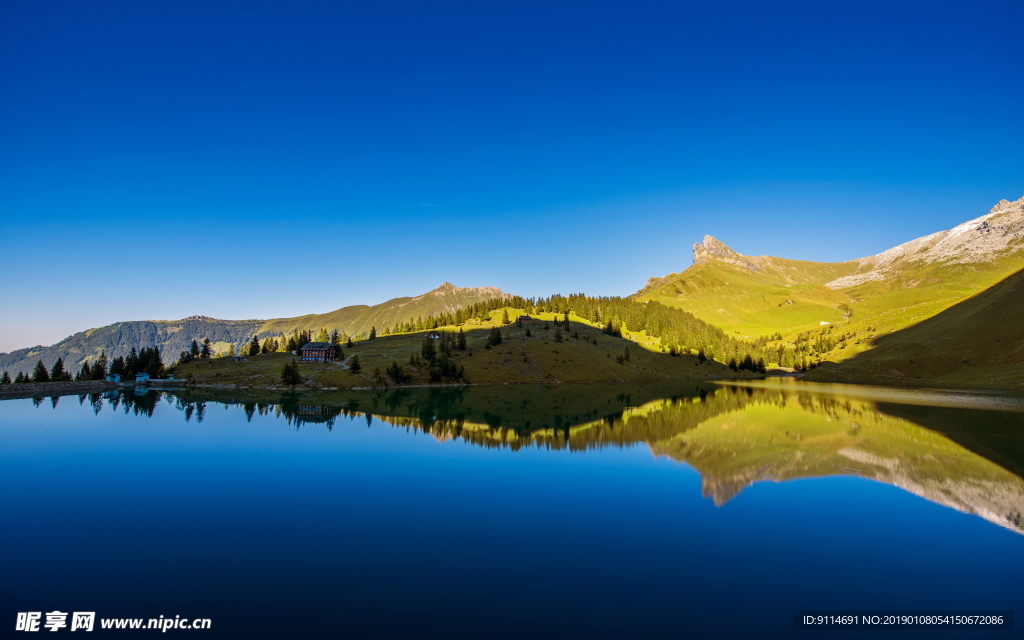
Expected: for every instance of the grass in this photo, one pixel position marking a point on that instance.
(538, 358)
(977, 342)
(789, 297)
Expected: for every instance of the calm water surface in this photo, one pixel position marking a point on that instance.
(601, 511)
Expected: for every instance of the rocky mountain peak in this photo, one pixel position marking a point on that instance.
(713, 249)
(449, 289)
(1004, 206)
(979, 240)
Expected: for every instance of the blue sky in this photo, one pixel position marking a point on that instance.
(167, 159)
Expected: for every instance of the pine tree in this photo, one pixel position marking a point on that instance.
(207, 349)
(57, 372)
(323, 336)
(193, 351)
(427, 349)
(494, 337)
(254, 347)
(348, 345)
(504, 317)
(558, 334)
(291, 375)
(40, 374)
(354, 365)
(99, 368)
(20, 378)
(6, 379)
(397, 373)
(85, 373)
(461, 344)
(566, 323)
(373, 333)
(733, 365)
(335, 339)
(117, 366)
(748, 363)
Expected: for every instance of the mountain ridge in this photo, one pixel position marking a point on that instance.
(901, 285)
(174, 336)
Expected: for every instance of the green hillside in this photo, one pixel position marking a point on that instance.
(175, 336)
(852, 302)
(786, 296)
(978, 342)
(357, 320)
(582, 353)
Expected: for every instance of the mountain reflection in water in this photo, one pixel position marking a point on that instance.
(965, 458)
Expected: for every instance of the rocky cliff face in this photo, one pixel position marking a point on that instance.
(714, 249)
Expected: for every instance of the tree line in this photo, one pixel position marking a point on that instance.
(678, 331)
(146, 360)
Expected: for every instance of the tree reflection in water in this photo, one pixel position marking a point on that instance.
(734, 436)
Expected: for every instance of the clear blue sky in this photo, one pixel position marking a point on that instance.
(253, 160)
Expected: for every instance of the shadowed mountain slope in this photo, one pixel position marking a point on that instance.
(976, 342)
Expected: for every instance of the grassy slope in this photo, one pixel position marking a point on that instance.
(358, 319)
(786, 297)
(751, 304)
(978, 342)
(518, 359)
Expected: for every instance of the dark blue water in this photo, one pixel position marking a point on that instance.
(272, 529)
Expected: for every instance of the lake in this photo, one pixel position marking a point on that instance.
(641, 510)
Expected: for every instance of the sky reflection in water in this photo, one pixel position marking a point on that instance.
(508, 511)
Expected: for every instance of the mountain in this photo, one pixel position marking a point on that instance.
(174, 336)
(762, 295)
(976, 342)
